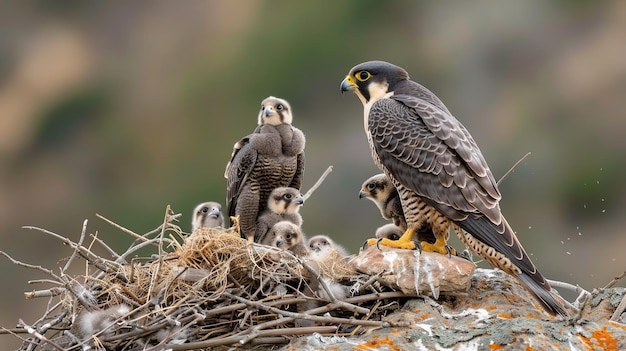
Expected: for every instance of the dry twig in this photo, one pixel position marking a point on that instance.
(318, 183)
(615, 280)
(513, 168)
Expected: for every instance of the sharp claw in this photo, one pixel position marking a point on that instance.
(378, 243)
(365, 245)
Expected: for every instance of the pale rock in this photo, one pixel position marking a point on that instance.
(414, 272)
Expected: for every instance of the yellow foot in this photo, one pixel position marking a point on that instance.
(408, 245)
(405, 241)
(438, 246)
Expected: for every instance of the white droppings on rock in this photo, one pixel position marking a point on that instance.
(481, 314)
(426, 327)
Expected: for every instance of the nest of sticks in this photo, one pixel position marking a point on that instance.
(200, 291)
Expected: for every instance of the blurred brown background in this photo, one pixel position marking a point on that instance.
(121, 108)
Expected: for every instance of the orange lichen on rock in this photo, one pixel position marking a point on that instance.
(513, 298)
(529, 348)
(602, 339)
(504, 316)
(375, 344)
(495, 347)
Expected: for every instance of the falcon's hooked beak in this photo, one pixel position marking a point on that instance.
(348, 84)
(362, 194)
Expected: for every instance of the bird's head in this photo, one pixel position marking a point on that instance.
(319, 243)
(207, 214)
(285, 200)
(389, 231)
(377, 188)
(275, 111)
(286, 235)
(373, 80)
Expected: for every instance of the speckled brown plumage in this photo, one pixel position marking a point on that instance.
(271, 157)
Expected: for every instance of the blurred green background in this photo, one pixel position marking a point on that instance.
(121, 108)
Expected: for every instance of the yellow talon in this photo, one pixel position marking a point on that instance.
(439, 246)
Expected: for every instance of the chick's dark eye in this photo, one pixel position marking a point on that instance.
(288, 196)
(371, 186)
(280, 107)
(363, 76)
(288, 236)
(205, 209)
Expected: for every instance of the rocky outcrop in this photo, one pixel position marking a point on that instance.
(496, 313)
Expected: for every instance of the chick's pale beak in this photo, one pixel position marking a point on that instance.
(347, 84)
(279, 241)
(299, 200)
(269, 111)
(362, 194)
(215, 212)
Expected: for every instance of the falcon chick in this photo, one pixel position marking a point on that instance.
(271, 157)
(389, 231)
(283, 204)
(380, 191)
(207, 214)
(323, 245)
(429, 156)
(329, 258)
(287, 236)
(430, 225)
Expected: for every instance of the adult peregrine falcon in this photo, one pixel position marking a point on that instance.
(207, 214)
(271, 157)
(429, 155)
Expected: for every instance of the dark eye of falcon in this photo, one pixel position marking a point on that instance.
(371, 186)
(288, 196)
(288, 236)
(205, 209)
(279, 107)
(362, 76)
